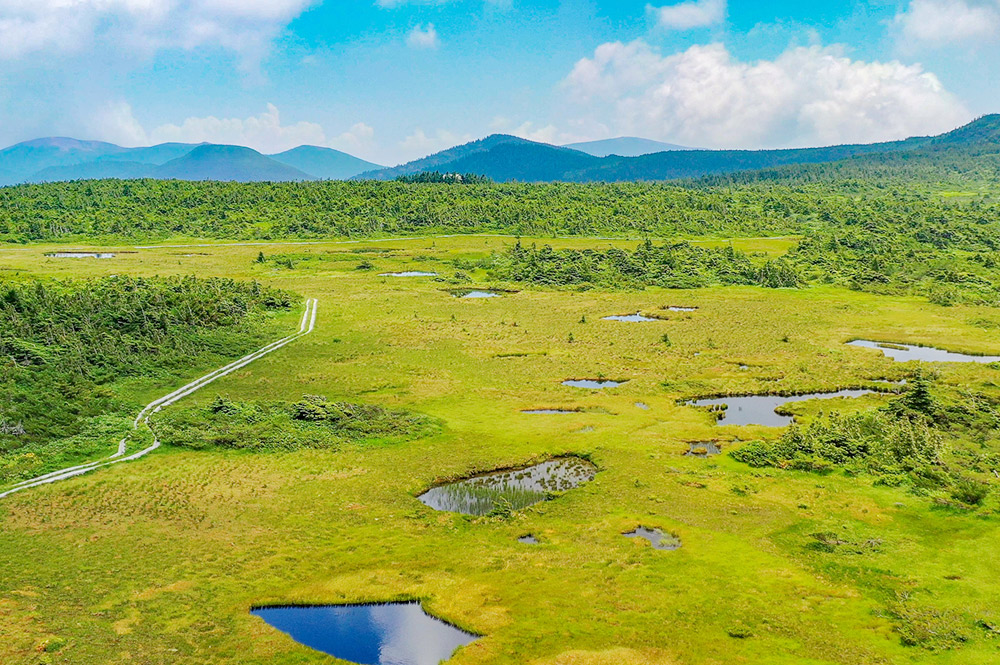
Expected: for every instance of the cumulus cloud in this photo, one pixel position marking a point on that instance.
(63, 26)
(806, 96)
(688, 15)
(943, 22)
(421, 37)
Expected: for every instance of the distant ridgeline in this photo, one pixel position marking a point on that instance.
(66, 347)
(500, 158)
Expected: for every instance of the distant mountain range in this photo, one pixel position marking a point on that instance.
(500, 157)
(509, 158)
(624, 146)
(57, 159)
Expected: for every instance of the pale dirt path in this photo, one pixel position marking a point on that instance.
(306, 326)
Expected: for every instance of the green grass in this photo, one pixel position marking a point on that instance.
(159, 561)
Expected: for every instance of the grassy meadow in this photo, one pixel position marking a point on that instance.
(160, 560)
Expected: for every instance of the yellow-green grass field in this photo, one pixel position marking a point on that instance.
(160, 560)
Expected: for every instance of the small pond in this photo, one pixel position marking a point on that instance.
(592, 384)
(703, 449)
(657, 538)
(630, 318)
(642, 405)
(476, 294)
(480, 495)
(548, 412)
(528, 540)
(389, 634)
(681, 309)
(81, 255)
(408, 273)
(906, 352)
(760, 409)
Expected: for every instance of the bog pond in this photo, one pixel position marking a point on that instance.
(81, 255)
(629, 318)
(657, 538)
(906, 352)
(388, 634)
(516, 488)
(761, 409)
(476, 294)
(592, 384)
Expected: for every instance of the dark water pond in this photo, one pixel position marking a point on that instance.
(703, 449)
(657, 538)
(592, 384)
(408, 273)
(630, 318)
(518, 488)
(906, 352)
(81, 255)
(760, 409)
(390, 634)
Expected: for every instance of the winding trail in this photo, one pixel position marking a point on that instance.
(306, 326)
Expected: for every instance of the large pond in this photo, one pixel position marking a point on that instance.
(760, 409)
(390, 634)
(81, 255)
(592, 384)
(906, 352)
(516, 489)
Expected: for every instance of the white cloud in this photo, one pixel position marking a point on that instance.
(806, 96)
(421, 37)
(69, 26)
(115, 123)
(265, 132)
(262, 132)
(420, 144)
(359, 137)
(943, 22)
(688, 15)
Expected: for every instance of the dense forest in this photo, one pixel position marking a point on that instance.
(149, 209)
(64, 344)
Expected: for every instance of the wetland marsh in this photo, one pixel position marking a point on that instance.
(802, 562)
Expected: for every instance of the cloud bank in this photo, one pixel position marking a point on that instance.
(806, 96)
(68, 26)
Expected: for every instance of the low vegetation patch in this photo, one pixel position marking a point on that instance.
(908, 442)
(311, 422)
(678, 265)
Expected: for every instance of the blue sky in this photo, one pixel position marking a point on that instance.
(391, 80)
